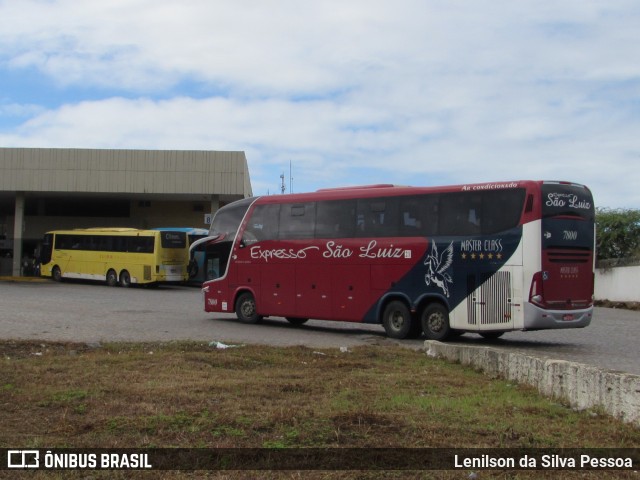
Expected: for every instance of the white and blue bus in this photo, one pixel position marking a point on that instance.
(196, 267)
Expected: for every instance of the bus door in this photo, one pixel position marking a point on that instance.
(210, 264)
(216, 259)
(63, 247)
(46, 250)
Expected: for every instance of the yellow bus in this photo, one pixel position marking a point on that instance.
(117, 256)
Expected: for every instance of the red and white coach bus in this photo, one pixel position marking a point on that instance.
(485, 258)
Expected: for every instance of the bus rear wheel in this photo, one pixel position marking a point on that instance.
(246, 308)
(435, 322)
(125, 279)
(112, 278)
(397, 320)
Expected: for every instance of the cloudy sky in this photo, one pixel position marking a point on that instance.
(414, 92)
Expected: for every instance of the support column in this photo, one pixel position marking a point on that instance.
(18, 228)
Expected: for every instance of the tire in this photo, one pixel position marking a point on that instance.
(435, 322)
(56, 274)
(125, 279)
(246, 308)
(491, 335)
(112, 278)
(397, 320)
(297, 321)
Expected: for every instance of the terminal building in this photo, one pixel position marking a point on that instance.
(43, 189)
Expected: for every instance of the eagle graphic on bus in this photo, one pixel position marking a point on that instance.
(438, 266)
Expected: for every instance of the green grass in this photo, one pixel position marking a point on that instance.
(191, 395)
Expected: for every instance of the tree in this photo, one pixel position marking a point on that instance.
(617, 233)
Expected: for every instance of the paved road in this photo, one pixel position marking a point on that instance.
(611, 341)
(85, 312)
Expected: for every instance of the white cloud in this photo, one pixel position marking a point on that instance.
(410, 91)
(20, 110)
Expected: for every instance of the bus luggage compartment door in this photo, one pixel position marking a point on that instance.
(313, 292)
(277, 287)
(351, 292)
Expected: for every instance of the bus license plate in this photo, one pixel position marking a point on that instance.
(568, 317)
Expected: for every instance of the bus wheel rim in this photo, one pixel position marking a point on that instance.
(436, 322)
(397, 320)
(248, 308)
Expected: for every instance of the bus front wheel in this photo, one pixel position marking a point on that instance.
(246, 308)
(397, 320)
(56, 274)
(435, 322)
(112, 278)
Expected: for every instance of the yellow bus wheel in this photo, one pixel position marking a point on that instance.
(112, 278)
(125, 279)
(56, 274)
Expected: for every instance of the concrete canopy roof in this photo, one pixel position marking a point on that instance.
(131, 173)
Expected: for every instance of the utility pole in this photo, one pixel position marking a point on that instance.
(290, 177)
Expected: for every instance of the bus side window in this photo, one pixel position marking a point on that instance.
(62, 242)
(418, 215)
(429, 213)
(140, 244)
(335, 219)
(103, 243)
(378, 217)
(472, 213)
(148, 245)
(460, 213)
(119, 244)
(76, 243)
(297, 220)
(502, 210)
(262, 225)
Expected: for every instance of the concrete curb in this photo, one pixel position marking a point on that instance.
(583, 386)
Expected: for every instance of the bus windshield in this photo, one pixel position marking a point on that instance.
(227, 220)
(170, 239)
